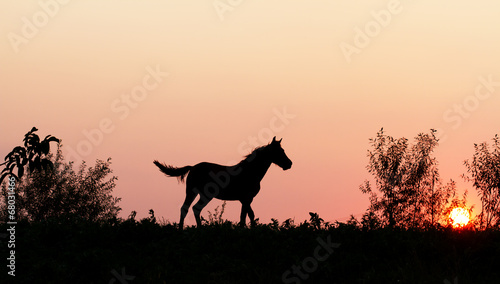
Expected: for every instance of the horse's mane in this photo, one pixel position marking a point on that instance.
(254, 151)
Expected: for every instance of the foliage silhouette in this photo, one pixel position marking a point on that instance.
(227, 253)
(484, 172)
(33, 155)
(63, 192)
(215, 218)
(239, 182)
(408, 178)
(315, 220)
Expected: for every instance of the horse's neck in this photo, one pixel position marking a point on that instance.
(258, 167)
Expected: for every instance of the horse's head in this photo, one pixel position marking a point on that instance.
(278, 156)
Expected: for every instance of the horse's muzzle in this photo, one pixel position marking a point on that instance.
(287, 167)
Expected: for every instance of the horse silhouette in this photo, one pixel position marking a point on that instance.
(239, 182)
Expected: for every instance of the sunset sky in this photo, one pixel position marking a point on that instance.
(191, 81)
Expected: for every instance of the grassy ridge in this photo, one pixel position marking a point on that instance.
(85, 252)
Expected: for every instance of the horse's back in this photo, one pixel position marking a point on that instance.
(202, 172)
(207, 167)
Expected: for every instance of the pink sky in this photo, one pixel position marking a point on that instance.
(340, 69)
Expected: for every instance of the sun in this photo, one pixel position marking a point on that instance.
(459, 217)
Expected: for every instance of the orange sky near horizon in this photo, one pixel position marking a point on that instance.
(186, 81)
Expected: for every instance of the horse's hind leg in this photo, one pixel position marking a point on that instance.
(243, 215)
(199, 206)
(246, 209)
(190, 196)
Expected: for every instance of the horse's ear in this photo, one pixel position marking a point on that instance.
(274, 139)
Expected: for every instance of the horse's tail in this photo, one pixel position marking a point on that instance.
(180, 173)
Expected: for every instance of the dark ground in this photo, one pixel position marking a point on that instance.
(145, 252)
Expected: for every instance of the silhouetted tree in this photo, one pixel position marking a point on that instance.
(386, 164)
(32, 155)
(484, 172)
(408, 179)
(370, 221)
(49, 187)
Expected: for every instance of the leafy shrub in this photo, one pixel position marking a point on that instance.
(62, 191)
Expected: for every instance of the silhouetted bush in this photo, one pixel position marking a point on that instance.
(61, 191)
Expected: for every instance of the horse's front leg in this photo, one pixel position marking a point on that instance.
(251, 215)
